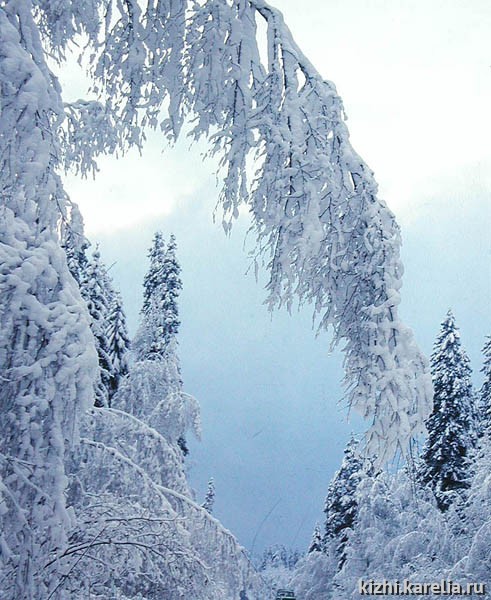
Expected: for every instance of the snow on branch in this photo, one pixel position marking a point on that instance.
(89, 131)
(279, 131)
(119, 503)
(326, 237)
(140, 443)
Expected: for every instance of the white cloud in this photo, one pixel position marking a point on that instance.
(135, 189)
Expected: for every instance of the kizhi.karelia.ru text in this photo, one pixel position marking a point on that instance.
(445, 587)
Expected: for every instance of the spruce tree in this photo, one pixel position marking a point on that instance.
(158, 395)
(75, 244)
(172, 288)
(451, 425)
(94, 289)
(154, 276)
(485, 391)
(210, 496)
(118, 343)
(159, 314)
(341, 504)
(316, 542)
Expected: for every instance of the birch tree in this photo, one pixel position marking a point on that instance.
(278, 129)
(47, 355)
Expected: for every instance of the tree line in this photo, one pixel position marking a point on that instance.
(426, 521)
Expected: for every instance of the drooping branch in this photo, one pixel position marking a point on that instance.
(280, 134)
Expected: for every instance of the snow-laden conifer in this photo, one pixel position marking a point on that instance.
(98, 297)
(161, 288)
(341, 504)
(210, 496)
(451, 426)
(108, 320)
(155, 275)
(484, 398)
(172, 287)
(118, 343)
(153, 391)
(74, 242)
(316, 542)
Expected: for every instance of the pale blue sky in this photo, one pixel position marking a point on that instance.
(415, 77)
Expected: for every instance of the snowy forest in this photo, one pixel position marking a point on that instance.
(95, 497)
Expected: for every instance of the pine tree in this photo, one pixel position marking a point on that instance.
(451, 425)
(210, 496)
(485, 391)
(153, 391)
(316, 543)
(118, 343)
(95, 291)
(341, 504)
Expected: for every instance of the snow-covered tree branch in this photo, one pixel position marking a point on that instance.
(279, 131)
(47, 354)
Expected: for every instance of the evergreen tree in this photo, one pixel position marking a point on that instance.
(171, 290)
(485, 391)
(341, 504)
(154, 276)
(75, 244)
(106, 310)
(95, 291)
(153, 391)
(451, 425)
(210, 496)
(160, 315)
(316, 543)
(118, 343)
(183, 445)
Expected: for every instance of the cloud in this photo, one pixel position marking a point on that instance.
(135, 189)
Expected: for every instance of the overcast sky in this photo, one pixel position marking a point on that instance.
(415, 77)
